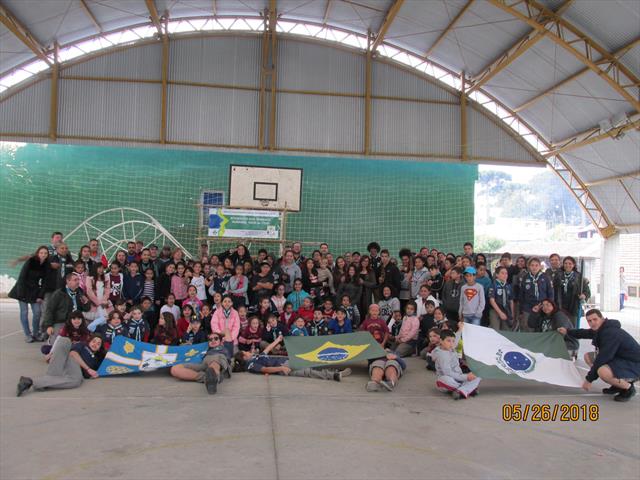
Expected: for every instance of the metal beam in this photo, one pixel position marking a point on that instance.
(583, 195)
(634, 175)
(10, 21)
(448, 28)
(53, 105)
(463, 119)
(631, 197)
(386, 23)
(267, 114)
(214, 7)
(617, 54)
(578, 44)
(593, 135)
(165, 76)
(514, 51)
(327, 9)
(367, 95)
(90, 14)
(273, 19)
(153, 14)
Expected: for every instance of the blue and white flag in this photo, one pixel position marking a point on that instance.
(130, 356)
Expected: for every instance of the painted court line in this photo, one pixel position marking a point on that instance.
(10, 334)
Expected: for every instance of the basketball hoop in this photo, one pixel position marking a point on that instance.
(264, 203)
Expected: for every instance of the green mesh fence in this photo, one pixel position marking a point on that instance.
(345, 202)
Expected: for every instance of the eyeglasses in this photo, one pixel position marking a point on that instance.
(214, 339)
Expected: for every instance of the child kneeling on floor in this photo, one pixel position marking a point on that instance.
(450, 377)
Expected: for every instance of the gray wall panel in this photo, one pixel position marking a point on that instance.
(108, 109)
(486, 139)
(415, 128)
(305, 66)
(28, 110)
(210, 115)
(143, 62)
(222, 60)
(319, 122)
(393, 82)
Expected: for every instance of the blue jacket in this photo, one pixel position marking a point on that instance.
(336, 328)
(612, 343)
(132, 287)
(531, 291)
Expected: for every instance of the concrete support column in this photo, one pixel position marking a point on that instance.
(610, 274)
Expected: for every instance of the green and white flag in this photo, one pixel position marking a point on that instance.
(542, 357)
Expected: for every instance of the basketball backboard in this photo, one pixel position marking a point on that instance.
(265, 187)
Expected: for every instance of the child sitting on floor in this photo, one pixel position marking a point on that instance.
(450, 378)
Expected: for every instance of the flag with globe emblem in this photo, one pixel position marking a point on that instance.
(542, 357)
(324, 351)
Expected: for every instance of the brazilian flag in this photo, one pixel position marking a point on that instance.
(328, 350)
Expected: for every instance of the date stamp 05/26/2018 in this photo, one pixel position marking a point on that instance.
(544, 412)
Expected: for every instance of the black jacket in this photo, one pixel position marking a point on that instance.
(567, 290)
(30, 285)
(611, 341)
(392, 278)
(55, 277)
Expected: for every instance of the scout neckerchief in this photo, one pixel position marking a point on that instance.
(534, 280)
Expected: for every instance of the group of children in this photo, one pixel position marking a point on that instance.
(415, 306)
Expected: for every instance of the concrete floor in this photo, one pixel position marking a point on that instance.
(260, 427)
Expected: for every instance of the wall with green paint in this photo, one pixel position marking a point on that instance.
(345, 202)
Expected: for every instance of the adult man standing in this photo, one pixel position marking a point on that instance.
(468, 251)
(616, 359)
(374, 249)
(288, 271)
(95, 253)
(389, 275)
(261, 284)
(63, 302)
(554, 272)
(297, 253)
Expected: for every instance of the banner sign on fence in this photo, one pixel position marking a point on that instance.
(235, 223)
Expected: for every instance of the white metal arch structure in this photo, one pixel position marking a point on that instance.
(114, 227)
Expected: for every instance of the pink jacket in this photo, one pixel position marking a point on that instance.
(95, 301)
(218, 321)
(409, 329)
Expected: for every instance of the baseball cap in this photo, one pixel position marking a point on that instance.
(470, 270)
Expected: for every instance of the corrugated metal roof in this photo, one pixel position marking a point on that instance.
(481, 35)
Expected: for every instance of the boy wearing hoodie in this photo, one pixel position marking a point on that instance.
(450, 377)
(471, 298)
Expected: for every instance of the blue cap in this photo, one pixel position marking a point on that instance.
(470, 270)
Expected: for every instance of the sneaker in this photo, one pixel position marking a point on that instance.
(372, 386)
(625, 395)
(456, 395)
(24, 384)
(28, 339)
(474, 393)
(611, 390)
(211, 381)
(40, 337)
(388, 384)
